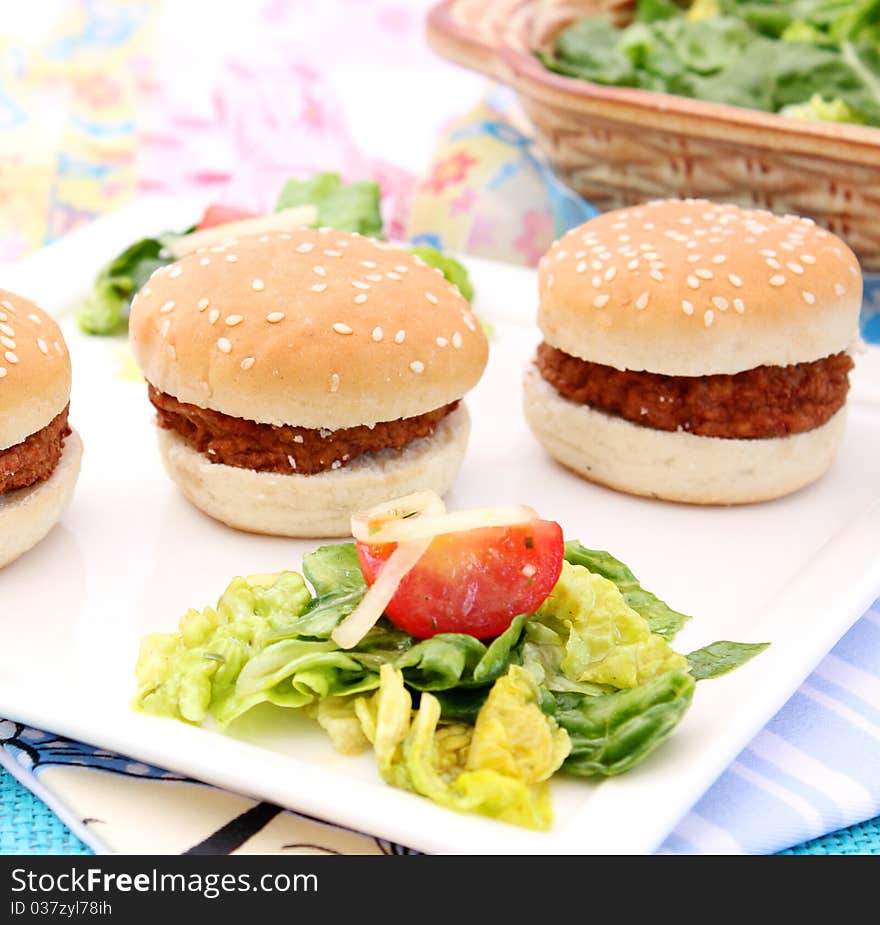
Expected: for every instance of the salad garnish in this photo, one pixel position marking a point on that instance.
(475, 652)
(322, 200)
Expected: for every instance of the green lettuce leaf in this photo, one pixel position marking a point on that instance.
(344, 206)
(615, 732)
(186, 674)
(600, 639)
(105, 309)
(662, 619)
(452, 269)
(497, 768)
(720, 657)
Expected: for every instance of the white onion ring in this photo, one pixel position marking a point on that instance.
(427, 527)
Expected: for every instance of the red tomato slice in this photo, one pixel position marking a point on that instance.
(473, 581)
(222, 215)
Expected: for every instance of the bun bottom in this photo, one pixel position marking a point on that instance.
(318, 505)
(672, 465)
(28, 514)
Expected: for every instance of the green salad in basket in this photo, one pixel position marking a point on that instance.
(322, 200)
(474, 652)
(807, 59)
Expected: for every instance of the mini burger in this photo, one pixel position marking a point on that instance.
(695, 352)
(303, 375)
(39, 453)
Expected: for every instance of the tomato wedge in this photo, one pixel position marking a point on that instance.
(474, 581)
(222, 215)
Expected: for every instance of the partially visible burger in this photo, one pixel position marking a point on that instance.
(695, 352)
(39, 453)
(300, 376)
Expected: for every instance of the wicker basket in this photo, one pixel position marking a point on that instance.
(618, 146)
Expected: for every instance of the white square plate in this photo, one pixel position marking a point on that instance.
(131, 555)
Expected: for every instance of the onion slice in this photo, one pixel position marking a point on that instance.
(285, 220)
(427, 527)
(362, 619)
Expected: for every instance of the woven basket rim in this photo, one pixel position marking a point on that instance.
(525, 72)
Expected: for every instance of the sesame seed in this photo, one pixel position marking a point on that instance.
(400, 337)
(808, 258)
(773, 264)
(305, 247)
(167, 307)
(785, 245)
(203, 303)
(469, 321)
(642, 301)
(7, 304)
(839, 288)
(719, 258)
(601, 300)
(340, 328)
(171, 351)
(11, 357)
(456, 340)
(369, 264)
(35, 319)
(809, 298)
(231, 258)
(164, 328)
(739, 305)
(319, 287)
(264, 237)
(432, 298)
(224, 344)
(258, 285)
(334, 382)
(8, 342)
(656, 275)
(333, 253)
(703, 274)
(610, 273)
(417, 366)
(401, 268)
(392, 275)
(213, 315)
(7, 330)
(777, 280)
(795, 268)
(708, 318)
(693, 282)
(442, 342)
(720, 302)
(687, 307)
(2, 372)
(174, 272)
(360, 285)
(597, 282)
(275, 317)
(374, 277)
(551, 279)
(735, 280)
(765, 252)
(377, 334)
(360, 298)
(342, 243)
(319, 270)
(597, 264)
(44, 347)
(581, 266)
(633, 264)
(233, 320)
(693, 258)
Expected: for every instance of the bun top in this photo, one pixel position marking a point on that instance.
(320, 329)
(693, 288)
(34, 369)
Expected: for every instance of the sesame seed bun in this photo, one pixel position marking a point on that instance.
(693, 288)
(34, 369)
(28, 514)
(673, 465)
(315, 505)
(319, 329)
